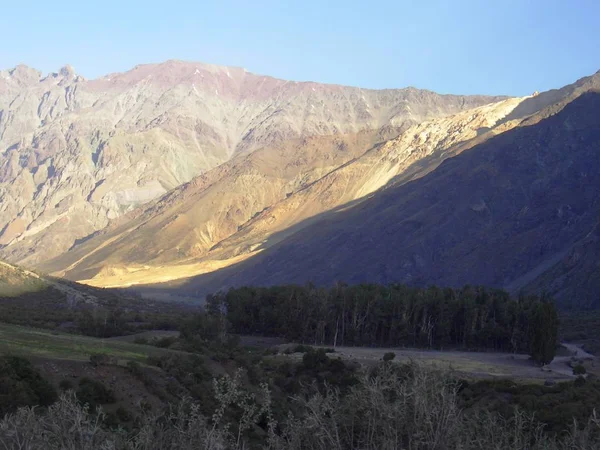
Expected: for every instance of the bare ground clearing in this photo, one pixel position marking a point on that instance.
(475, 364)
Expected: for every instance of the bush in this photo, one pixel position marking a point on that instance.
(314, 359)
(391, 407)
(22, 385)
(301, 348)
(389, 356)
(93, 393)
(101, 359)
(579, 369)
(122, 414)
(164, 342)
(133, 366)
(65, 385)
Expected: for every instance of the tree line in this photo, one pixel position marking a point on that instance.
(472, 317)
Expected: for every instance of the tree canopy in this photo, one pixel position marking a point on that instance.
(471, 317)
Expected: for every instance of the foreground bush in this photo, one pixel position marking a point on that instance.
(22, 385)
(393, 407)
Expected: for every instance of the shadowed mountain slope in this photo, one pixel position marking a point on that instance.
(519, 210)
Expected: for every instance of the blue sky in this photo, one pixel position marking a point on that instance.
(509, 47)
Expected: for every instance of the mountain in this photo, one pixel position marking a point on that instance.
(77, 154)
(224, 215)
(252, 202)
(519, 210)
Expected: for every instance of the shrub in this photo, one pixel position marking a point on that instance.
(65, 385)
(164, 342)
(140, 340)
(314, 359)
(133, 366)
(68, 425)
(579, 369)
(93, 393)
(389, 356)
(122, 414)
(101, 359)
(391, 407)
(22, 385)
(301, 348)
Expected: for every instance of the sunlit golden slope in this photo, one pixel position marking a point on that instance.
(246, 205)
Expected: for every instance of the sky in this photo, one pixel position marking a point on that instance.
(511, 47)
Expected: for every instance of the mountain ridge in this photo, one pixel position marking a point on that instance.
(79, 153)
(69, 70)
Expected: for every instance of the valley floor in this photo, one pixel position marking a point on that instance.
(478, 364)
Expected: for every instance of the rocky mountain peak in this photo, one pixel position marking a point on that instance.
(23, 75)
(67, 71)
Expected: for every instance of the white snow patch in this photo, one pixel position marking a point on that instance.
(195, 90)
(313, 89)
(217, 91)
(228, 74)
(196, 72)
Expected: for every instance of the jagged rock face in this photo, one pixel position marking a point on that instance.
(77, 153)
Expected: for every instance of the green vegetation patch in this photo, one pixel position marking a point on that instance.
(22, 385)
(23, 341)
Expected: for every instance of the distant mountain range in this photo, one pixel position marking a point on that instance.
(190, 178)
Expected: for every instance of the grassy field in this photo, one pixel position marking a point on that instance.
(32, 342)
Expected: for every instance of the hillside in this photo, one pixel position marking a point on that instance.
(507, 213)
(77, 153)
(222, 216)
(251, 203)
(17, 281)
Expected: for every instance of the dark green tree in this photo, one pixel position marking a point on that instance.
(543, 331)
